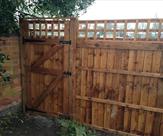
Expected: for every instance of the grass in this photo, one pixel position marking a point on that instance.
(72, 128)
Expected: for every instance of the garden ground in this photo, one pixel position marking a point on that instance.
(32, 125)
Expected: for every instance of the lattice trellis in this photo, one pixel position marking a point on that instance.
(136, 29)
(45, 28)
(141, 29)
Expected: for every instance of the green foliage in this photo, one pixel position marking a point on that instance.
(8, 20)
(12, 10)
(60, 8)
(3, 73)
(10, 120)
(71, 128)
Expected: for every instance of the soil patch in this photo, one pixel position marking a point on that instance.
(30, 125)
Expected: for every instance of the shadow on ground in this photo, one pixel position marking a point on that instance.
(29, 125)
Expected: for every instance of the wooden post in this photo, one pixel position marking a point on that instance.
(73, 37)
(65, 68)
(157, 129)
(23, 27)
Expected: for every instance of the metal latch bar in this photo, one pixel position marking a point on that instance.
(63, 42)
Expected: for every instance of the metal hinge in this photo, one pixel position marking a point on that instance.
(67, 73)
(64, 42)
(33, 40)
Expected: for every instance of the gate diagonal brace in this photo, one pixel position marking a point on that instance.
(51, 87)
(52, 51)
(46, 71)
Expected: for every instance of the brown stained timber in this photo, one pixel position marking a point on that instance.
(47, 91)
(116, 71)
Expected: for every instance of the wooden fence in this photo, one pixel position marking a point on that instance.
(111, 77)
(10, 91)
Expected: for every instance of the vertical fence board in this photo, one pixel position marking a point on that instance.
(144, 91)
(129, 90)
(108, 87)
(152, 96)
(137, 91)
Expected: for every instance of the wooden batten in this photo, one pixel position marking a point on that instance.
(120, 45)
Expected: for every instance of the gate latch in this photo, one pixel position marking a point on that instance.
(64, 42)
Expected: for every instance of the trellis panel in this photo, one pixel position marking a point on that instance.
(125, 73)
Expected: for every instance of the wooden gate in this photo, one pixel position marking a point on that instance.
(47, 67)
(109, 77)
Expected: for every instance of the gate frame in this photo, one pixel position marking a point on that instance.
(70, 34)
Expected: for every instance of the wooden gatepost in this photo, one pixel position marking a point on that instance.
(104, 73)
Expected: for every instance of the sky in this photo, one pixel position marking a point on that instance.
(124, 9)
